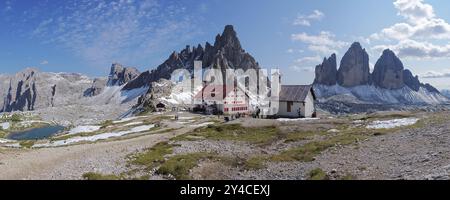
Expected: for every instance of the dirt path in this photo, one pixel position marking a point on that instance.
(73, 161)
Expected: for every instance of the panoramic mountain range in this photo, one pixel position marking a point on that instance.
(31, 89)
(226, 53)
(389, 83)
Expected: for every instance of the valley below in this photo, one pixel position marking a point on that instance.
(382, 145)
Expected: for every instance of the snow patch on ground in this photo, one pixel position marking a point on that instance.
(358, 122)
(5, 125)
(388, 124)
(134, 123)
(13, 145)
(186, 118)
(186, 122)
(94, 138)
(3, 141)
(83, 129)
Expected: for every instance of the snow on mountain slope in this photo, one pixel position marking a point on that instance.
(181, 95)
(376, 95)
(115, 95)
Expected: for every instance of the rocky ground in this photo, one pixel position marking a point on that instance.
(202, 147)
(71, 162)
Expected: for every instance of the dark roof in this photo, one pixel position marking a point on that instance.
(296, 93)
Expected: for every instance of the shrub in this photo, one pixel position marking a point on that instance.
(318, 174)
(16, 118)
(97, 176)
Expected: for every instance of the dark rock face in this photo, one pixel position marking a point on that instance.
(326, 73)
(354, 69)
(148, 102)
(225, 53)
(388, 79)
(141, 81)
(411, 81)
(430, 88)
(120, 75)
(31, 89)
(97, 87)
(52, 100)
(22, 92)
(388, 71)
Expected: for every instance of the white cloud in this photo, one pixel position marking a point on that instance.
(435, 74)
(414, 49)
(308, 60)
(422, 25)
(292, 51)
(42, 27)
(303, 20)
(302, 69)
(324, 43)
(305, 64)
(44, 62)
(430, 29)
(414, 10)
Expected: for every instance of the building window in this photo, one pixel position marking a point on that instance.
(289, 106)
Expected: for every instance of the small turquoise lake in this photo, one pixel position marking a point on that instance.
(36, 133)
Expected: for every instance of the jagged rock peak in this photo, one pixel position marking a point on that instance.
(388, 71)
(326, 73)
(430, 88)
(228, 39)
(98, 84)
(120, 75)
(354, 69)
(226, 53)
(411, 81)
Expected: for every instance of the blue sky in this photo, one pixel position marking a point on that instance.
(86, 36)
